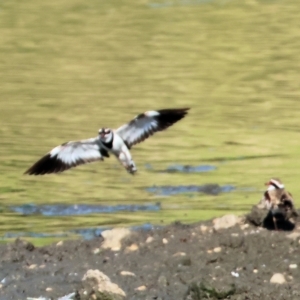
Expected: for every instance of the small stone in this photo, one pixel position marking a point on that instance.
(165, 241)
(149, 239)
(141, 288)
(225, 222)
(60, 243)
(132, 248)
(255, 271)
(293, 235)
(113, 238)
(96, 251)
(49, 289)
(203, 228)
(127, 273)
(193, 233)
(235, 234)
(293, 266)
(42, 266)
(209, 251)
(277, 278)
(179, 254)
(244, 226)
(33, 266)
(217, 249)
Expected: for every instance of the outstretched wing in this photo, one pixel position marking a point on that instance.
(68, 155)
(146, 124)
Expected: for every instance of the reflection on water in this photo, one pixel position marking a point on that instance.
(210, 189)
(80, 209)
(190, 169)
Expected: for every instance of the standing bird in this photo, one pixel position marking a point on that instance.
(278, 201)
(118, 142)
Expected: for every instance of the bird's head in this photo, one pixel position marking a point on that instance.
(274, 183)
(105, 135)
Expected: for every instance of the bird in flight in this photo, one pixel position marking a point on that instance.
(115, 141)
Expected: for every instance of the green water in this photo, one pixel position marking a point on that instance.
(68, 68)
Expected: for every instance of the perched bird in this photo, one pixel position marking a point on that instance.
(118, 142)
(278, 201)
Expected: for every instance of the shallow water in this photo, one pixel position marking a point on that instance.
(210, 189)
(80, 209)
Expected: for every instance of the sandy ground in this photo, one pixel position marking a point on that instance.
(179, 261)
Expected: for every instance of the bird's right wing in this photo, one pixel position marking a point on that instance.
(68, 155)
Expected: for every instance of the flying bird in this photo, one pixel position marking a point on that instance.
(109, 141)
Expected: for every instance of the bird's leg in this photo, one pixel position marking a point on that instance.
(127, 162)
(275, 223)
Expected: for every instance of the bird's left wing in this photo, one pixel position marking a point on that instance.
(146, 124)
(68, 155)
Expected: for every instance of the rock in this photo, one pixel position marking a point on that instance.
(98, 284)
(217, 249)
(255, 271)
(141, 288)
(293, 266)
(33, 266)
(165, 241)
(49, 289)
(244, 226)
(225, 222)
(132, 248)
(277, 278)
(203, 228)
(60, 243)
(96, 251)
(127, 273)
(113, 238)
(68, 297)
(293, 235)
(179, 254)
(149, 239)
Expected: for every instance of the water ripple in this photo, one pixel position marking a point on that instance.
(80, 209)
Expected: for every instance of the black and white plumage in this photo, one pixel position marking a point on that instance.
(117, 142)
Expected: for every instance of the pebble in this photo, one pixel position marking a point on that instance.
(179, 254)
(244, 226)
(33, 266)
(60, 243)
(235, 274)
(165, 241)
(96, 251)
(132, 248)
(141, 288)
(217, 249)
(149, 239)
(277, 278)
(294, 235)
(234, 234)
(42, 266)
(203, 228)
(293, 266)
(49, 289)
(255, 271)
(127, 273)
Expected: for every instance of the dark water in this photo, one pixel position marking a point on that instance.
(210, 189)
(80, 209)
